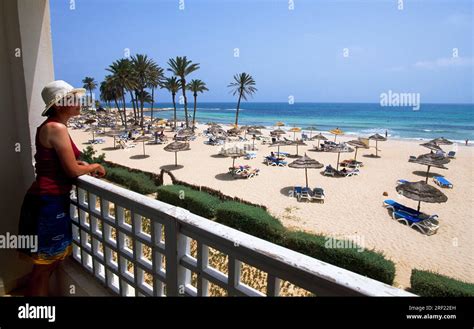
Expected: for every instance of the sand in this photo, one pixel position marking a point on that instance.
(353, 206)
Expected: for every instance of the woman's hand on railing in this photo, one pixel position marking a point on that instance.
(98, 170)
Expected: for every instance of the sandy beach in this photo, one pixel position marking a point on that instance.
(353, 205)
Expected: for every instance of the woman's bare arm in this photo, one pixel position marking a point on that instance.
(58, 138)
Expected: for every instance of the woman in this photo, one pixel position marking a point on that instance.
(45, 208)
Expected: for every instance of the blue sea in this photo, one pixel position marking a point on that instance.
(452, 121)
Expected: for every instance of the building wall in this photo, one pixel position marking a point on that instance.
(26, 65)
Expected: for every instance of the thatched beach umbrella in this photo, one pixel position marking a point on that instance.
(357, 144)
(89, 121)
(234, 131)
(279, 124)
(336, 132)
(441, 141)
(143, 139)
(254, 132)
(340, 149)
(277, 132)
(319, 137)
(295, 130)
(432, 146)
(377, 138)
(115, 134)
(421, 192)
(278, 144)
(234, 153)
(298, 142)
(306, 163)
(176, 147)
(185, 133)
(432, 160)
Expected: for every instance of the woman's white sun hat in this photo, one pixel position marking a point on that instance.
(55, 91)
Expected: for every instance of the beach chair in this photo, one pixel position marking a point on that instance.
(297, 190)
(442, 182)
(451, 154)
(249, 173)
(278, 163)
(395, 206)
(354, 172)
(412, 158)
(428, 226)
(318, 194)
(303, 193)
(250, 155)
(126, 145)
(329, 171)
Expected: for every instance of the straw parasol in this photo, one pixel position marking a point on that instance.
(357, 144)
(319, 137)
(278, 144)
(336, 132)
(306, 163)
(432, 160)
(340, 149)
(432, 146)
(421, 192)
(254, 132)
(234, 153)
(115, 133)
(298, 142)
(185, 133)
(234, 131)
(377, 138)
(279, 124)
(277, 132)
(441, 141)
(176, 147)
(295, 130)
(143, 139)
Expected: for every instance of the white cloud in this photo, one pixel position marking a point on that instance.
(446, 62)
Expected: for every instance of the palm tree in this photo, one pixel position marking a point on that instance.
(155, 80)
(109, 90)
(172, 85)
(143, 68)
(123, 77)
(181, 67)
(243, 85)
(196, 86)
(89, 84)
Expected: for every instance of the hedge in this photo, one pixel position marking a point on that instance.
(250, 219)
(138, 182)
(197, 202)
(365, 262)
(430, 284)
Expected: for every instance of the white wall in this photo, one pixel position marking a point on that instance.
(24, 25)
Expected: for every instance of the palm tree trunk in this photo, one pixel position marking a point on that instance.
(118, 109)
(124, 108)
(238, 107)
(183, 88)
(133, 105)
(90, 93)
(174, 106)
(194, 113)
(152, 102)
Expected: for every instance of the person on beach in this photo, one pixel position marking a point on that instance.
(45, 208)
(467, 142)
(386, 133)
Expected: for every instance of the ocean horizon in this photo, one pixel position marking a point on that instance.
(452, 121)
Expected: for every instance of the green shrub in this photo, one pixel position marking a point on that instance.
(88, 153)
(430, 284)
(135, 181)
(355, 259)
(197, 202)
(250, 219)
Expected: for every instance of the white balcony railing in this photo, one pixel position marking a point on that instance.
(138, 246)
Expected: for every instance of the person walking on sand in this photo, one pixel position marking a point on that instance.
(45, 209)
(467, 142)
(386, 133)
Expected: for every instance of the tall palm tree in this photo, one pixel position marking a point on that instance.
(155, 80)
(243, 85)
(143, 67)
(181, 67)
(122, 75)
(196, 86)
(89, 84)
(110, 91)
(173, 85)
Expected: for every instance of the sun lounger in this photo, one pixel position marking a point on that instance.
(278, 163)
(126, 145)
(402, 181)
(329, 171)
(451, 154)
(249, 173)
(442, 182)
(354, 172)
(412, 158)
(250, 155)
(427, 226)
(318, 194)
(395, 206)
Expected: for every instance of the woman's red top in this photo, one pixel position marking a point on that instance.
(51, 179)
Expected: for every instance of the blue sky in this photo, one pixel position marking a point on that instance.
(297, 52)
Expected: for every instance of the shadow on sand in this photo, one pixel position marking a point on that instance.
(171, 167)
(225, 177)
(139, 156)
